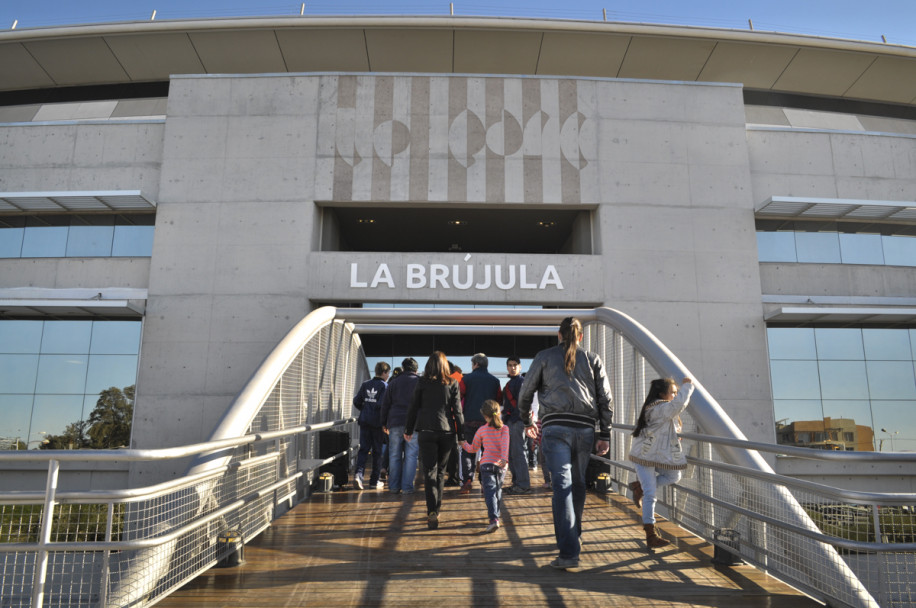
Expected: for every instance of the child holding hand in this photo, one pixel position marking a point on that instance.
(493, 437)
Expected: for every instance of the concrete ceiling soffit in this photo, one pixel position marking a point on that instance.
(78, 61)
(756, 66)
(823, 72)
(888, 78)
(324, 50)
(239, 52)
(151, 57)
(408, 50)
(582, 54)
(496, 52)
(19, 70)
(657, 58)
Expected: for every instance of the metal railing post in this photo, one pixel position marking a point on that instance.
(47, 518)
(106, 557)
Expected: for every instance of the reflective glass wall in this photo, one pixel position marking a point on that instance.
(77, 236)
(52, 374)
(836, 248)
(844, 388)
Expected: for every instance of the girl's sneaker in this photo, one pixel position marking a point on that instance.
(494, 525)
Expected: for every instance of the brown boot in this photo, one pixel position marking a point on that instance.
(653, 540)
(636, 488)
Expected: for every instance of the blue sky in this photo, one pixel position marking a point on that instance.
(851, 19)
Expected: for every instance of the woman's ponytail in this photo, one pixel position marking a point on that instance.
(570, 333)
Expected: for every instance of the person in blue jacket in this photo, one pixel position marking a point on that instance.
(368, 401)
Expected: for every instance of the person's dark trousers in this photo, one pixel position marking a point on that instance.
(435, 448)
(468, 459)
(371, 439)
(452, 469)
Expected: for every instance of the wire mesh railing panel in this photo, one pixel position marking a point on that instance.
(16, 569)
(20, 523)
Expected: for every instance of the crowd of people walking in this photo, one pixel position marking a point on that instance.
(456, 427)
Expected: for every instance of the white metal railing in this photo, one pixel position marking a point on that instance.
(739, 509)
(130, 547)
(134, 546)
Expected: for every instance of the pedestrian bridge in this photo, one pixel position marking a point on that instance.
(142, 546)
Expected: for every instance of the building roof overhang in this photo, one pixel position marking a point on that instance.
(841, 316)
(73, 201)
(142, 52)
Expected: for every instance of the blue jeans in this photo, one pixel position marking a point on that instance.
(402, 459)
(518, 455)
(651, 479)
(566, 452)
(371, 439)
(491, 480)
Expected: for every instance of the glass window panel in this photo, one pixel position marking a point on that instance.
(892, 380)
(795, 380)
(791, 343)
(776, 247)
(11, 241)
(52, 414)
(851, 423)
(861, 249)
(66, 337)
(843, 379)
(899, 250)
(18, 373)
(895, 425)
(135, 241)
(20, 337)
(90, 241)
(818, 247)
(59, 374)
(106, 371)
(14, 423)
(839, 344)
(45, 237)
(887, 344)
(115, 338)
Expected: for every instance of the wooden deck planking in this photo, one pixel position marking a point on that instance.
(373, 549)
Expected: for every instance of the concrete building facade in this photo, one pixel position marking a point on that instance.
(266, 186)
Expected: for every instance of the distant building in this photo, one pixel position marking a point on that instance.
(827, 434)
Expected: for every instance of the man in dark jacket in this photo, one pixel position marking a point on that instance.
(402, 455)
(476, 387)
(518, 442)
(371, 437)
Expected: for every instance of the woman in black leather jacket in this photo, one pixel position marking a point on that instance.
(435, 412)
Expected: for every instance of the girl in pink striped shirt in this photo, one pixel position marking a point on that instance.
(493, 437)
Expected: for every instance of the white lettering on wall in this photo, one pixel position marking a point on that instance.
(442, 276)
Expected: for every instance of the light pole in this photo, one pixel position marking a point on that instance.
(891, 437)
(39, 441)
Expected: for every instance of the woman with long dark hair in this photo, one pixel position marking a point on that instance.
(435, 412)
(656, 450)
(573, 397)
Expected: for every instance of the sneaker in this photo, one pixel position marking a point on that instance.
(432, 521)
(564, 564)
(383, 474)
(517, 490)
(379, 485)
(358, 479)
(493, 526)
(466, 488)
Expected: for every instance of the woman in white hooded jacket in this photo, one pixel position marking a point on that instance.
(656, 449)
